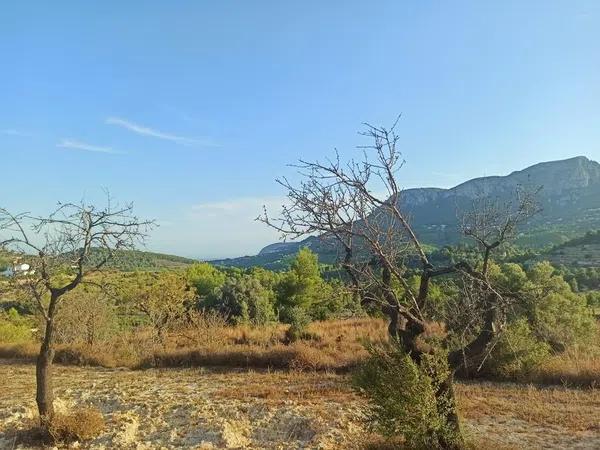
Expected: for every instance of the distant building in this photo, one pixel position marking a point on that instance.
(18, 270)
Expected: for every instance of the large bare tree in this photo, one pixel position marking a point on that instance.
(356, 206)
(58, 249)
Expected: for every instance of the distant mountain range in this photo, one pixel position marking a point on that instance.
(569, 196)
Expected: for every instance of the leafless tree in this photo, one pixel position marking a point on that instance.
(57, 248)
(357, 206)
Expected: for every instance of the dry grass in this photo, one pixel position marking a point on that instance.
(81, 425)
(574, 410)
(572, 368)
(374, 442)
(64, 428)
(334, 345)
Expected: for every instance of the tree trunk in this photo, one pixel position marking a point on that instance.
(45, 396)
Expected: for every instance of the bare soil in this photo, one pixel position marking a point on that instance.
(203, 409)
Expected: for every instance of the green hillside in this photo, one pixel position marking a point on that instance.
(133, 260)
(582, 251)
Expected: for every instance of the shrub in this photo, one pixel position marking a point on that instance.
(298, 318)
(204, 328)
(81, 425)
(245, 300)
(14, 328)
(402, 395)
(517, 352)
(87, 316)
(62, 430)
(162, 301)
(205, 278)
(556, 314)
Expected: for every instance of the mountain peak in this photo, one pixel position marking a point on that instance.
(569, 199)
(574, 162)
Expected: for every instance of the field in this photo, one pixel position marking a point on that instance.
(201, 408)
(331, 346)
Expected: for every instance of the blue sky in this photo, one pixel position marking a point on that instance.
(191, 109)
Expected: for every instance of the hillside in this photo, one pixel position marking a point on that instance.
(569, 197)
(278, 256)
(583, 251)
(132, 260)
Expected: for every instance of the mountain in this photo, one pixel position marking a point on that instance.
(569, 196)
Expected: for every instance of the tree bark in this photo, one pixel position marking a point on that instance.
(43, 369)
(45, 395)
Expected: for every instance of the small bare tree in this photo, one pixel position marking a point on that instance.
(341, 202)
(58, 248)
(162, 300)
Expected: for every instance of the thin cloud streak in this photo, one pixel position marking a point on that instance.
(78, 145)
(12, 132)
(147, 131)
(247, 207)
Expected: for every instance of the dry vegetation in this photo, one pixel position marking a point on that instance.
(175, 400)
(331, 345)
(255, 409)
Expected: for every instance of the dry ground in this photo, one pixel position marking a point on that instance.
(196, 408)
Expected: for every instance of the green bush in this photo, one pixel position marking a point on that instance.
(517, 352)
(402, 395)
(205, 278)
(298, 318)
(14, 328)
(245, 300)
(556, 315)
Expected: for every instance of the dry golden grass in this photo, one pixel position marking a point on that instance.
(572, 368)
(81, 425)
(64, 428)
(574, 410)
(333, 345)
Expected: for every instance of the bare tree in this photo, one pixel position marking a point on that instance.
(58, 248)
(342, 203)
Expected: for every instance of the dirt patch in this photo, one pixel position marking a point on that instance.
(196, 408)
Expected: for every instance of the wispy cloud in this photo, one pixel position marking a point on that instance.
(247, 207)
(147, 131)
(78, 145)
(12, 132)
(206, 228)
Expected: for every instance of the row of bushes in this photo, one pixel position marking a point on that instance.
(549, 318)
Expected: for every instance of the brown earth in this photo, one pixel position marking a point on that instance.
(198, 408)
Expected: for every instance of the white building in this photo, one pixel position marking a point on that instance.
(18, 270)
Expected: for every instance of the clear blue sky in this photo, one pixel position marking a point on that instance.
(191, 109)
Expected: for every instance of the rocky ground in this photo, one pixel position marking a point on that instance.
(195, 408)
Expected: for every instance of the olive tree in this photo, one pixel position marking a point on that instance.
(57, 248)
(381, 254)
